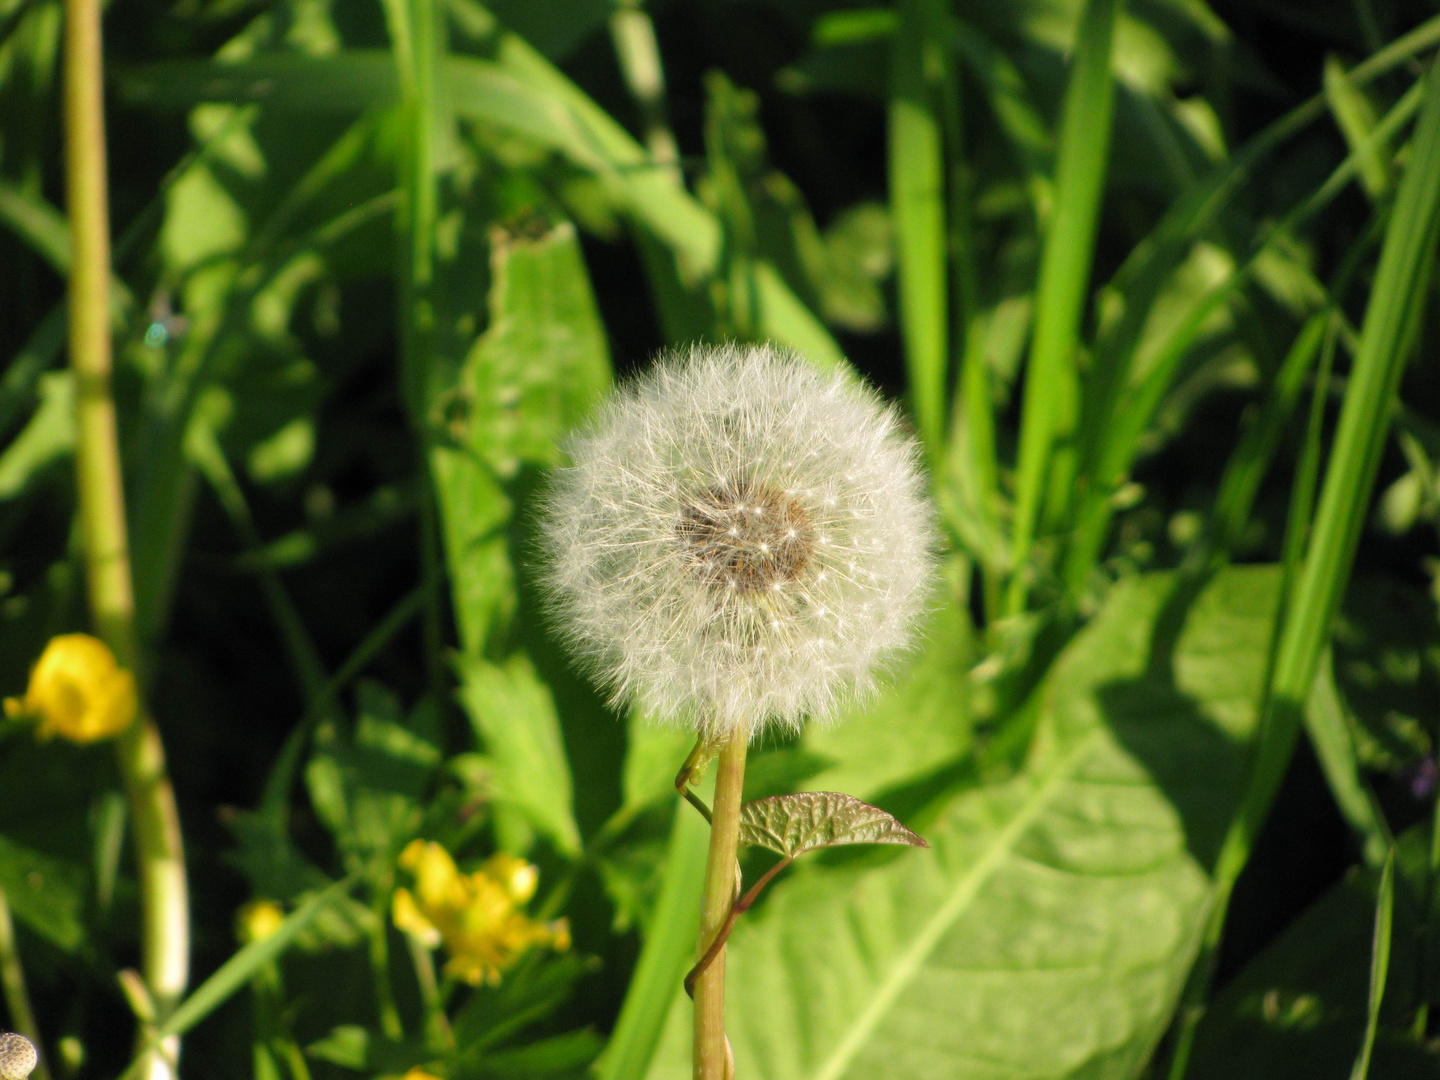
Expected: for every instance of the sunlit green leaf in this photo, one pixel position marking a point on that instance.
(47, 437)
(514, 715)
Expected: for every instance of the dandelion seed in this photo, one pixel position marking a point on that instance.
(718, 510)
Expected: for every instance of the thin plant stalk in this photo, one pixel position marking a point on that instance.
(12, 978)
(712, 1052)
(164, 899)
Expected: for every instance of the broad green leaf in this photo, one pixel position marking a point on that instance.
(791, 825)
(47, 894)
(513, 713)
(543, 361)
(528, 993)
(1049, 931)
(540, 364)
(368, 789)
(920, 723)
(654, 753)
(353, 1047)
(49, 435)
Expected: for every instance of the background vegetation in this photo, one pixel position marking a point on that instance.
(1147, 278)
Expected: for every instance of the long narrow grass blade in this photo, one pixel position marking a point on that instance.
(1119, 414)
(1051, 379)
(1386, 336)
(1330, 736)
(917, 205)
(1248, 464)
(669, 948)
(1379, 965)
(1388, 331)
(236, 973)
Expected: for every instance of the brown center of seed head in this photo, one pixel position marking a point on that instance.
(746, 536)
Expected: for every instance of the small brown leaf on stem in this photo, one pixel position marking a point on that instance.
(791, 825)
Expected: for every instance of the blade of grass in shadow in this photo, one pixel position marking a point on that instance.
(1251, 458)
(1379, 965)
(1330, 736)
(1119, 414)
(1388, 331)
(917, 206)
(417, 34)
(668, 950)
(1297, 524)
(1051, 395)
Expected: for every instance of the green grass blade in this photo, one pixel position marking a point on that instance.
(1252, 456)
(1386, 335)
(1052, 390)
(1118, 414)
(1385, 339)
(1334, 746)
(1379, 965)
(235, 974)
(917, 206)
(1355, 117)
(668, 951)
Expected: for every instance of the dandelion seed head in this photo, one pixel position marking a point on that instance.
(742, 540)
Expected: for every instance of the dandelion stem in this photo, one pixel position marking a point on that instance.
(711, 1054)
(165, 930)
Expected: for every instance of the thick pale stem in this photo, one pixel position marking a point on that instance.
(165, 931)
(711, 1054)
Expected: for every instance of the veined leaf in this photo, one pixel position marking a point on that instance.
(1050, 930)
(49, 436)
(791, 825)
(514, 714)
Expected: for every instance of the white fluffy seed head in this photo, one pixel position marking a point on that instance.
(742, 540)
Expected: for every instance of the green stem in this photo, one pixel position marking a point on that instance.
(390, 1024)
(165, 930)
(437, 1025)
(737, 909)
(712, 1054)
(17, 998)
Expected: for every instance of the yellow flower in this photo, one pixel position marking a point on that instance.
(77, 691)
(418, 1073)
(476, 916)
(258, 919)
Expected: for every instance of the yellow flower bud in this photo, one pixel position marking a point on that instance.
(77, 691)
(257, 920)
(418, 1073)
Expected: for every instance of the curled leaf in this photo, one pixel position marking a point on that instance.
(794, 824)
